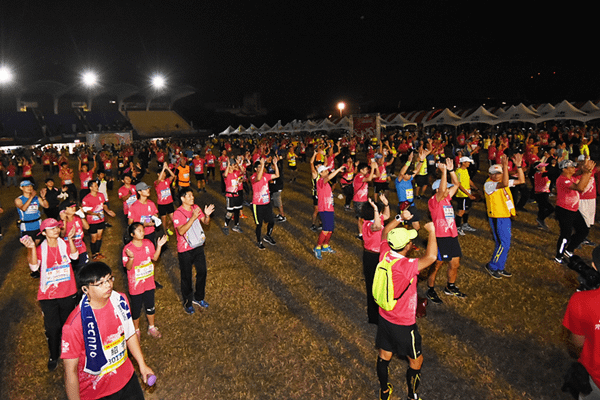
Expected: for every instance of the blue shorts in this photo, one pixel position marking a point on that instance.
(327, 220)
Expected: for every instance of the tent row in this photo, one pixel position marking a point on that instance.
(564, 111)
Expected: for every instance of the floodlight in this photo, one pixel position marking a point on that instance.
(341, 105)
(89, 78)
(158, 82)
(6, 75)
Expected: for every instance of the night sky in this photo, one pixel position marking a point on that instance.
(308, 55)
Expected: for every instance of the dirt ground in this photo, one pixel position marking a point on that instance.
(282, 324)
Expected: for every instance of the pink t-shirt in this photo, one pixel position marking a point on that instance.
(140, 277)
(198, 164)
(372, 239)
(403, 271)
(163, 191)
(85, 178)
(143, 213)
(565, 197)
(260, 189)
(96, 203)
(361, 189)
(324, 196)
(128, 195)
(590, 190)
(113, 335)
(57, 279)
(442, 216)
(180, 217)
(78, 238)
(541, 183)
(232, 183)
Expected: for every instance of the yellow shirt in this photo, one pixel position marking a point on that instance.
(465, 181)
(499, 202)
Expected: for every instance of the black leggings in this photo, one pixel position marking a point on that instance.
(544, 206)
(569, 221)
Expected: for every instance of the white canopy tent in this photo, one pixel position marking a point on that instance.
(446, 117)
(480, 116)
(325, 125)
(545, 109)
(398, 120)
(565, 111)
(227, 131)
(519, 113)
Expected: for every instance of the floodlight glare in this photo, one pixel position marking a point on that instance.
(89, 78)
(5, 75)
(158, 82)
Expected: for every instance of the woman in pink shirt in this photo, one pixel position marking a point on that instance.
(568, 189)
(325, 207)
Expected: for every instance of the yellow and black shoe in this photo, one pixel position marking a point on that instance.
(387, 394)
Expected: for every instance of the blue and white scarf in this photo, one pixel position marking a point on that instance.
(96, 357)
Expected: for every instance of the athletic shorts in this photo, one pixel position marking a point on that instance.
(94, 228)
(292, 167)
(421, 180)
(327, 220)
(164, 209)
(448, 248)
(315, 200)
(464, 203)
(276, 199)
(415, 213)
(358, 205)
(136, 301)
(263, 213)
(199, 177)
(234, 203)
(381, 187)
(399, 339)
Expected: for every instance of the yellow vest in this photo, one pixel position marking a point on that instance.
(497, 203)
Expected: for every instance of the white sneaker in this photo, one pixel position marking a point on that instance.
(460, 231)
(468, 228)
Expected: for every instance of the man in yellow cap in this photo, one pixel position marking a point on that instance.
(397, 331)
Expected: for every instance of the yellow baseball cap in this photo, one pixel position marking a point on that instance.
(398, 238)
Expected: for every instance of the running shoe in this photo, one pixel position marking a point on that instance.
(260, 246)
(468, 228)
(386, 395)
(453, 291)
(318, 253)
(313, 228)
(328, 249)
(588, 242)
(460, 231)
(154, 332)
(225, 230)
(52, 364)
(236, 228)
(559, 260)
(504, 273)
(493, 273)
(542, 225)
(433, 296)
(189, 310)
(201, 303)
(269, 240)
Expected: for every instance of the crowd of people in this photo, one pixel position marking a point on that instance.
(525, 168)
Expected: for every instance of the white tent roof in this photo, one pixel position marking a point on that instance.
(480, 116)
(252, 130)
(227, 131)
(240, 129)
(545, 109)
(446, 117)
(264, 127)
(398, 120)
(589, 107)
(565, 111)
(519, 113)
(325, 125)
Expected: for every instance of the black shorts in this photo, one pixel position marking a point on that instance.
(94, 228)
(315, 200)
(234, 203)
(421, 180)
(448, 248)
(398, 339)
(263, 213)
(292, 167)
(464, 203)
(415, 213)
(381, 187)
(136, 301)
(164, 209)
(199, 177)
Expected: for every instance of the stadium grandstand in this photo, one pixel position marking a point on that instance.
(52, 112)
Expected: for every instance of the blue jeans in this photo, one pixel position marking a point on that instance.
(501, 230)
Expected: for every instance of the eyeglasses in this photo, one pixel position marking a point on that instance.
(108, 281)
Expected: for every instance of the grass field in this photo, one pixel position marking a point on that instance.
(283, 325)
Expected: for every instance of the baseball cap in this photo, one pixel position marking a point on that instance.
(398, 238)
(566, 164)
(436, 184)
(66, 204)
(466, 159)
(49, 223)
(378, 156)
(540, 165)
(142, 186)
(26, 182)
(495, 169)
(321, 168)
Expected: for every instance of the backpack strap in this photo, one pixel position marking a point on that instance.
(404, 291)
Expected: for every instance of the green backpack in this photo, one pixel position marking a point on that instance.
(383, 285)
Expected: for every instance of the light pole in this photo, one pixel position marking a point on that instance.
(341, 106)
